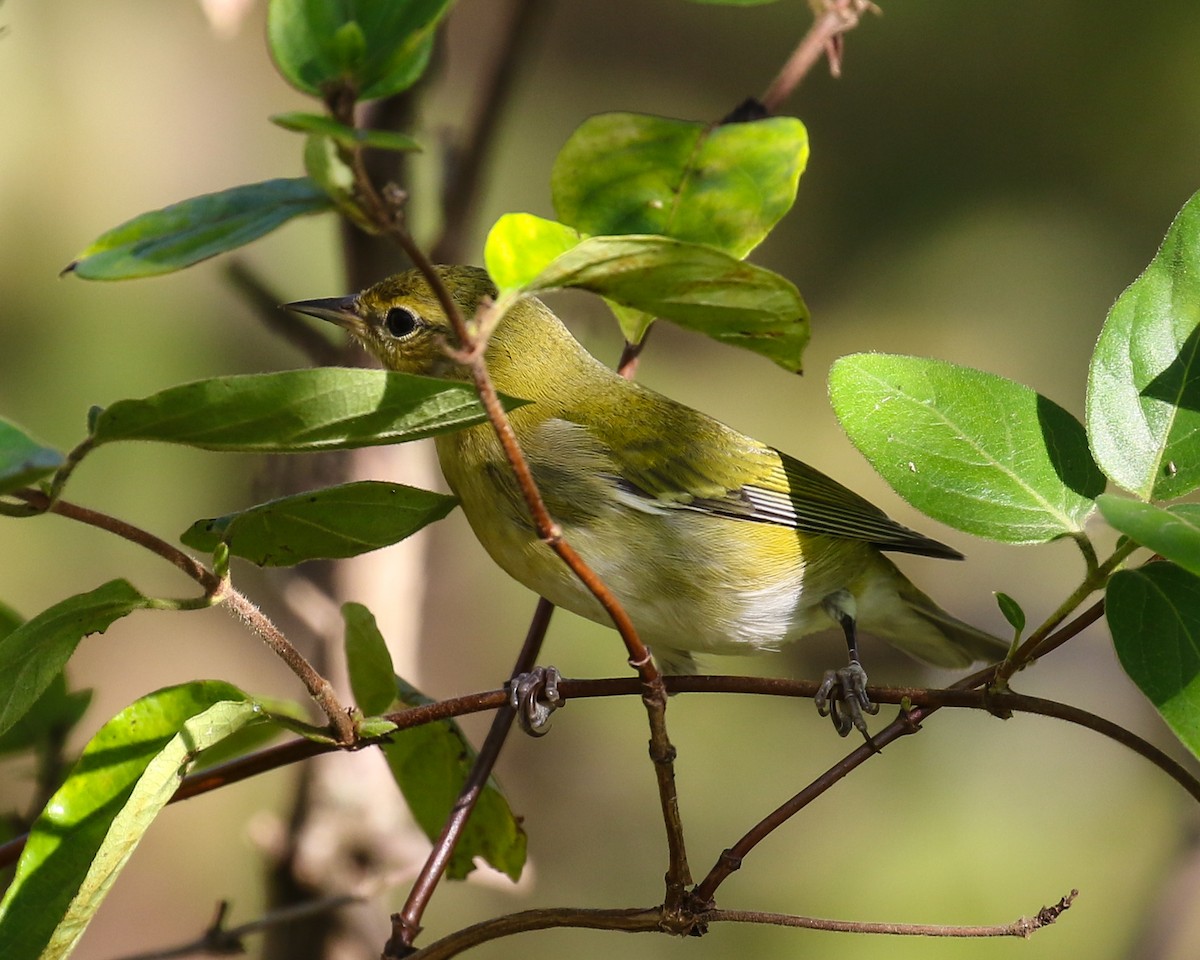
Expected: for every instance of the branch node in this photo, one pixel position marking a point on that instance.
(677, 918)
(1027, 926)
(400, 943)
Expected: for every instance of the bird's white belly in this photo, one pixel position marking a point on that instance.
(715, 612)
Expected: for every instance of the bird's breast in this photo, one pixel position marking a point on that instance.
(688, 580)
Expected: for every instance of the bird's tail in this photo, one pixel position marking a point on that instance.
(894, 609)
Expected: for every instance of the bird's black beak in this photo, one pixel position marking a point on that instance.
(340, 310)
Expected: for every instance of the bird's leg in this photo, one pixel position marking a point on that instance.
(535, 697)
(842, 695)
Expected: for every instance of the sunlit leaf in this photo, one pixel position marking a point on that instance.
(695, 286)
(1144, 386)
(723, 185)
(971, 449)
(92, 824)
(193, 230)
(520, 246)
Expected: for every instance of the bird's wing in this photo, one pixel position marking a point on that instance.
(699, 464)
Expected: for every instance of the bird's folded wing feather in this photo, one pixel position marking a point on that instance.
(702, 465)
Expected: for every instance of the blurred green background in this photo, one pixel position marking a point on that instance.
(985, 179)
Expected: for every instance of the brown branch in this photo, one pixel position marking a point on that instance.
(1023, 927)
(653, 692)
(221, 941)
(651, 920)
(320, 689)
(630, 920)
(208, 580)
(909, 721)
(471, 354)
(407, 923)
(840, 16)
(273, 758)
(216, 590)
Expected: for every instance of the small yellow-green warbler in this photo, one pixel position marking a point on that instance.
(712, 541)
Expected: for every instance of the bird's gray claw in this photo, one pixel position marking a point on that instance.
(842, 696)
(535, 697)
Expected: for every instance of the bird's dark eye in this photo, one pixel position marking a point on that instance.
(400, 321)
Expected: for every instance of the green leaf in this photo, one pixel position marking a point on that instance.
(1143, 407)
(1173, 533)
(372, 676)
(330, 523)
(329, 170)
(370, 728)
(9, 620)
(431, 763)
(724, 185)
(520, 246)
(185, 233)
(971, 449)
(92, 824)
(1154, 615)
(347, 136)
(295, 411)
(46, 724)
(1012, 611)
(52, 715)
(633, 323)
(34, 654)
(253, 736)
(697, 287)
(371, 48)
(22, 459)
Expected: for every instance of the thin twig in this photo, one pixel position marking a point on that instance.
(840, 16)
(1048, 636)
(1023, 927)
(217, 590)
(631, 920)
(407, 923)
(650, 920)
(731, 859)
(320, 689)
(281, 755)
(208, 580)
(220, 940)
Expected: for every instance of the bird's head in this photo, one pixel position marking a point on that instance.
(401, 321)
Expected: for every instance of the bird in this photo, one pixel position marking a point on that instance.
(713, 542)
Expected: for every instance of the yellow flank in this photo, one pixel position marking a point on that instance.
(712, 541)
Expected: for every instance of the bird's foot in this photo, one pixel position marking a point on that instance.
(535, 697)
(842, 696)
